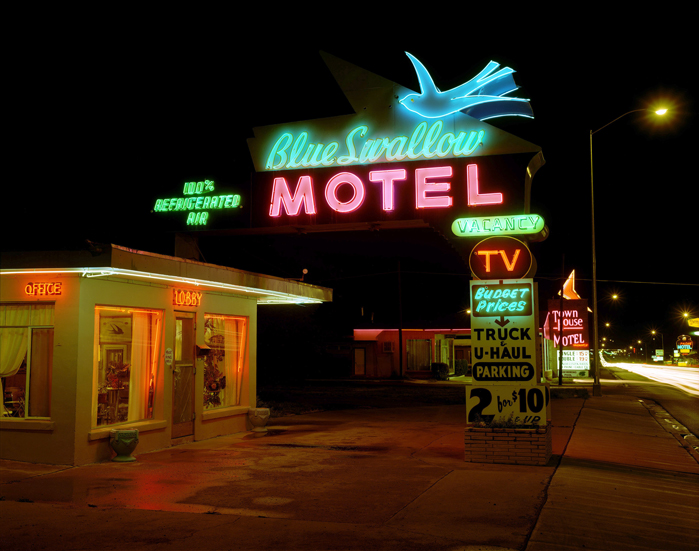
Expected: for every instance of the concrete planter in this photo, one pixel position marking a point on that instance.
(508, 445)
(123, 442)
(258, 418)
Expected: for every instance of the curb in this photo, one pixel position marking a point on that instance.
(686, 439)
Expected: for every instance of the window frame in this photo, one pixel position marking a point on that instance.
(28, 360)
(98, 347)
(243, 358)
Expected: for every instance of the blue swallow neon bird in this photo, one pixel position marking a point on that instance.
(482, 97)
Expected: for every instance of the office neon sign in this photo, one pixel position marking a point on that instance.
(345, 192)
(44, 289)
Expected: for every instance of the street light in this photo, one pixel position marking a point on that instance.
(662, 337)
(596, 387)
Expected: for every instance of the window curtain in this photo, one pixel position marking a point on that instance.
(156, 327)
(40, 373)
(234, 338)
(239, 353)
(140, 367)
(144, 356)
(234, 360)
(13, 349)
(229, 364)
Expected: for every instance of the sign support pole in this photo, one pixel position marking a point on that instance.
(400, 324)
(596, 387)
(560, 325)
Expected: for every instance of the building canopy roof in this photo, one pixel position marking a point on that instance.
(114, 261)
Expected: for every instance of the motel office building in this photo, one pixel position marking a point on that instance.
(124, 339)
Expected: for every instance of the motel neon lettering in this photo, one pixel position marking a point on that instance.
(431, 186)
(426, 142)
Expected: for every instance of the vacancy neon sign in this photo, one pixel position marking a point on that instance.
(431, 187)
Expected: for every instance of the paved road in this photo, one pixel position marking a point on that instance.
(684, 378)
(679, 401)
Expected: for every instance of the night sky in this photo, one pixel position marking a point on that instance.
(118, 116)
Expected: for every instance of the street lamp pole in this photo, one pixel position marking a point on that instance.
(662, 339)
(596, 387)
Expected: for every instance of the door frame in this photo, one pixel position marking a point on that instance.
(186, 428)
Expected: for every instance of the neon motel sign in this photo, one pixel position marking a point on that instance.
(431, 187)
(413, 156)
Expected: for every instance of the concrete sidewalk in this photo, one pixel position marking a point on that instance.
(373, 479)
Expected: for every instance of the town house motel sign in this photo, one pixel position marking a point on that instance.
(407, 160)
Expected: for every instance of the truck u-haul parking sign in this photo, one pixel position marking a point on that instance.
(504, 332)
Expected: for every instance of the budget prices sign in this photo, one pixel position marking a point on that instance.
(503, 331)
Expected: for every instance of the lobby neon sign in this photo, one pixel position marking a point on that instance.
(427, 141)
(184, 297)
(431, 186)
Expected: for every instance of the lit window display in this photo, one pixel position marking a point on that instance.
(26, 359)
(226, 336)
(127, 347)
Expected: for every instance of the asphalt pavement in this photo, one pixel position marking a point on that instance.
(393, 478)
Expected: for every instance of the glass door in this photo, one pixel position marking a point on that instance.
(183, 376)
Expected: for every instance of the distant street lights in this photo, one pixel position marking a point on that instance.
(662, 339)
(596, 387)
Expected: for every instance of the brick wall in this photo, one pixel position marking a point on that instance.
(508, 445)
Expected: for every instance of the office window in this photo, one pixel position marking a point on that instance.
(26, 359)
(127, 359)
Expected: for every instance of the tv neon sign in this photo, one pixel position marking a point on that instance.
(500, 258)
(431, 186)
(521, 224)
(425, 142)
(196, 204)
